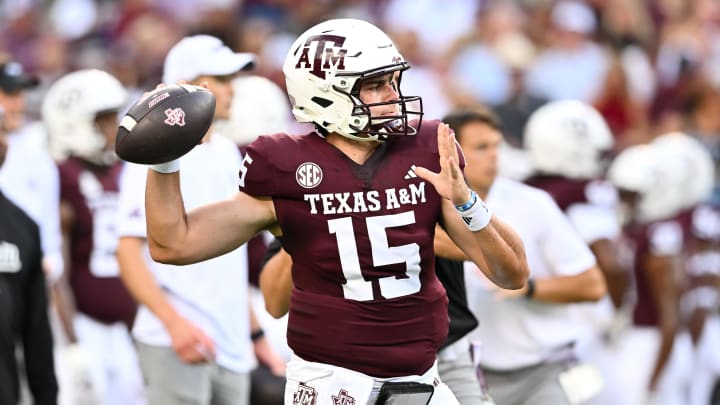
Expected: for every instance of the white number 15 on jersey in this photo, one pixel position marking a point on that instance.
(356, 287)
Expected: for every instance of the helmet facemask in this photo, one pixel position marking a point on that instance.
(370, 127)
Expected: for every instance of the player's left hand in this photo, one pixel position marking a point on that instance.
(450, 182)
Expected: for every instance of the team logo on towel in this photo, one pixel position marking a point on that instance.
(305, 395)
(342, 398)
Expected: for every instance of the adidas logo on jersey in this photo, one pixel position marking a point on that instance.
(411, 173)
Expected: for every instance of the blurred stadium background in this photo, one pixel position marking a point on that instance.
(648, 66)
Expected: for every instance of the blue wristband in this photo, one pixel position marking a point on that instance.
(473, 199)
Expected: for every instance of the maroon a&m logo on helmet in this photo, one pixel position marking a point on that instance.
(325, 57)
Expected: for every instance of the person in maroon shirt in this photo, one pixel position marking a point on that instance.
(356, 203)
(655, 232)
(80, 113)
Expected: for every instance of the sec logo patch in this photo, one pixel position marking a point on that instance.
(308, 175)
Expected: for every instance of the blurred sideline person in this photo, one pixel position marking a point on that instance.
(701, 302)
(194, 327)
(694, 173)
(454, 362)
(368, 313)
(30, 177)
(655, 232)
(567, 142)
(80, 113)
(266, 112)
(23, 304)
(524, 345)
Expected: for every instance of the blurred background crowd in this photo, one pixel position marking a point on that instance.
(649, 67)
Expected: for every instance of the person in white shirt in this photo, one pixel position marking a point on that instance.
(30, 177)
(196, 335)
(567, 142)
(527, 334)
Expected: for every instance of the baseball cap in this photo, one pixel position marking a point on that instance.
(573, 16)
(13, 78)
(203, 55)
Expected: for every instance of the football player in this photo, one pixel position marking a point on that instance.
(655, 228)
(568, 142)
(80, 113)
(356, 203)
(693, 172)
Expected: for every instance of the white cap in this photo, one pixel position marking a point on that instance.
(203, 55)
(574, 16)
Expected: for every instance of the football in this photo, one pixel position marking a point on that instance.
(165, 124)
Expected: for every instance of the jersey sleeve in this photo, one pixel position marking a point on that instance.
(594, 222)
(257, 172)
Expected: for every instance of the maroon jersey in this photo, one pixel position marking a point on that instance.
(366, 296)
(94, 278)
(567, 192)
(659, 238)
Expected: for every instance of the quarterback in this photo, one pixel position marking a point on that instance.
(355, 203)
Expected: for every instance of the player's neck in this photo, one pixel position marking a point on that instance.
(358, 151)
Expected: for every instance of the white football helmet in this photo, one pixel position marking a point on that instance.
(641, 169)
(692, 163)
(69, 110)
(323, 70)
(568, 138)
(251, 117)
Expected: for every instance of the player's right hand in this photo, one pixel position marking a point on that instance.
(189, 342)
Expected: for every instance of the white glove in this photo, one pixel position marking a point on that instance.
(619, 323)
(77, 381)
